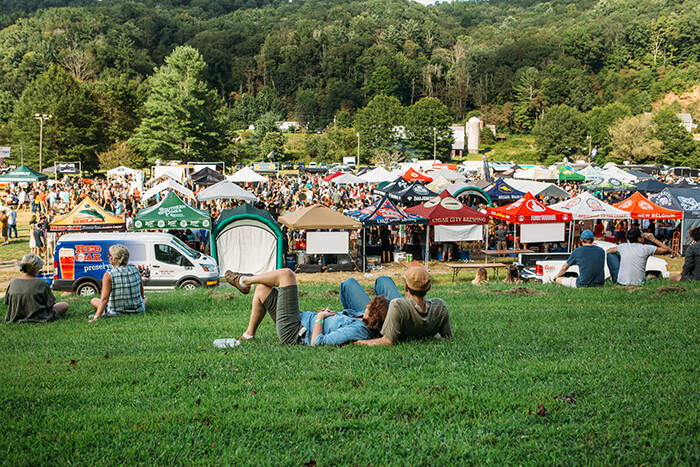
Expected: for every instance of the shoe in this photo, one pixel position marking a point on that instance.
(233, 278)
(226, 343)
(246, 339)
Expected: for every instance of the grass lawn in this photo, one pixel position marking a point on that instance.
(598, 376)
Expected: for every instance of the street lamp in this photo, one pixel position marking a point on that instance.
(41, 118)
(434, 145)
(358, 149)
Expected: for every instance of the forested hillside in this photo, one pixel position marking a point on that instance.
(119, 84)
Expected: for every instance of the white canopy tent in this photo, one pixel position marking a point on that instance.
(592, 172)
(450, 175)
(378, 175)
(439, 183)
(123, 171)
(246, 175)
(538, 188)
(612, 171)
(538, 172)
(163, 177)
(348, 179)
(225, 189)
(168, 184)
(586, 206)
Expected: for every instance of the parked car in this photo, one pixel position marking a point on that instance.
(300, 165)
(287, 166)
(313, 165)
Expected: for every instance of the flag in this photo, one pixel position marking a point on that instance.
(487, 173)
(271, 155)
(594, 152)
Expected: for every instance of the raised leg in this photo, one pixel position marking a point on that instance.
(385, 286)
(353, 296)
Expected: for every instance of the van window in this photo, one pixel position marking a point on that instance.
(137, 252)
(169, 255)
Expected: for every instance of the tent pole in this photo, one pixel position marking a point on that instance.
(427, 244)
(364, 255)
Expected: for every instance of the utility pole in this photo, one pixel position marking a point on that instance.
(41, 119)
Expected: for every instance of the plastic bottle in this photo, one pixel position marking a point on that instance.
(226, 343)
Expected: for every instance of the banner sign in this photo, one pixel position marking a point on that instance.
(5, 152)
(66, 168)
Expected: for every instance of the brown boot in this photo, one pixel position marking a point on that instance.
(233, 278)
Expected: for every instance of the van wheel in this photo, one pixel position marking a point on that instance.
(189, 285)
(87, 289)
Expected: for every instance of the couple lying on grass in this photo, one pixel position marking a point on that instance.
(384, 320)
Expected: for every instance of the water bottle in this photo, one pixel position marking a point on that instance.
(226, 343)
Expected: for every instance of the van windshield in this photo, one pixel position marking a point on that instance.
(190, 252)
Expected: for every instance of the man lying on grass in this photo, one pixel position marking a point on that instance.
(408, 318)
(276, 294)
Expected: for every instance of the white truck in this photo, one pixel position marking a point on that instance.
(544, 267)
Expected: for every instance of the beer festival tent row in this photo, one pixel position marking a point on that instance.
(566, 173)
(608, 184)
(247, 240)
(452, 220)
(87, 216)
(651, 185)
(385, 213)
(378, 175)
(416, 192)
(538, 223)
(246, 175)
(470, 191)
(683, 199)
(320, 217)
(539, 188)
(206, 177)
(168, 184)
(23, 174)
(124, 171)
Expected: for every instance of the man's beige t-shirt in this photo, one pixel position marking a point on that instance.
(405, 320)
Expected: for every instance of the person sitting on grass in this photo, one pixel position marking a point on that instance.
(30, 299)
(481, 277)
(691, 266)
(512, 276)
(122, 288)
(630, 267)
(591, 264)
(277, 294)
(413, 317)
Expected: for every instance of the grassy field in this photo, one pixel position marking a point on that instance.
(540, 375)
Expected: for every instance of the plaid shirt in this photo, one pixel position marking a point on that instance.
(126, 290)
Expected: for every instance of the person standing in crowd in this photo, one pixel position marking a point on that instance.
(630, 267)
(501, 236)
(12, 221)
(4, 226)
(590, 260)
(691, 266)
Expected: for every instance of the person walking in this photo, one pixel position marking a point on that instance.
(12, 221)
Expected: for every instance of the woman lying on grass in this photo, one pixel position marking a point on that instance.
(277, 295)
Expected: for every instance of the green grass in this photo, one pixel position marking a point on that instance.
(152, 389)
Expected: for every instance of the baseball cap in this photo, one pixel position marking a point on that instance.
(417, 279)
(586, 235)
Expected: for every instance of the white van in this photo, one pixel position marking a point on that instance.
(164, 261)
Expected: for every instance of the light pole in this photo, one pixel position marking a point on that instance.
(41, 118)
(358, 149)
(434, 145)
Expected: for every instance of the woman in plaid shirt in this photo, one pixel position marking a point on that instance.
(122, 289)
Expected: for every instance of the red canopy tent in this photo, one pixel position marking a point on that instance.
(641, 208)
(413, 176)
(527, 210)
(445, 209)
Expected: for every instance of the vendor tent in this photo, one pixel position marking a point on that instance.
(592, 172)
(608, 184)
(247, 240)
(586, 206)
(206, 177)
(566, 173)
(539, 188)
(439, 183)
(397, 185)
(225, 189)
(172, 213)
(449, 174)
(246, 175)
(685, 183)
(683, 199)
(168, 184)
(318, 217)
(348, 179)
(501, 191)
(415, 192)
(378, 175)
(330, 177)
(640, 207)
(508, 173)
(453, 220)
(384, 212)
(123, 171)
(413, 176)
(87, 216)
(469, 192)
(650, 185)
(23, 174)
(537, 172)
(542, 223)
(613, 171)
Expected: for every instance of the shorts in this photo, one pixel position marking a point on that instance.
(569, 282)
(283, 307)
(687, 278)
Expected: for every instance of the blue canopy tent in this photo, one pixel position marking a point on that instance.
(501, 191)
(385, 213)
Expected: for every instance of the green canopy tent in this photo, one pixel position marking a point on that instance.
(566, 173)
(172, 213)
(23, 174)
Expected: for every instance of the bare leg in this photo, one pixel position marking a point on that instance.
(60, 308)
(277, 278)
(257, 311)
(96, 302)
(676, 278)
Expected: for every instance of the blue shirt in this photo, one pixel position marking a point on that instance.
(591, 265)
(338, 329)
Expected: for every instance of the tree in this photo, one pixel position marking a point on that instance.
(632, 139)
(560, 133)
(273, 143)
(75, 131)
(382, 81)
(599, 121)
(180, 111)
(377, 122)
(679, 148)
(428, 125)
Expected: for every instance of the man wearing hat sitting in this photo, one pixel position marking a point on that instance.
(591, 264)
(414, 317)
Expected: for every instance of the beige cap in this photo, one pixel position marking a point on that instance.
(417, 279)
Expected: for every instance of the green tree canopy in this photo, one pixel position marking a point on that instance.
(428, 124)
(560, 133)
(180, 121)
(377, 122)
